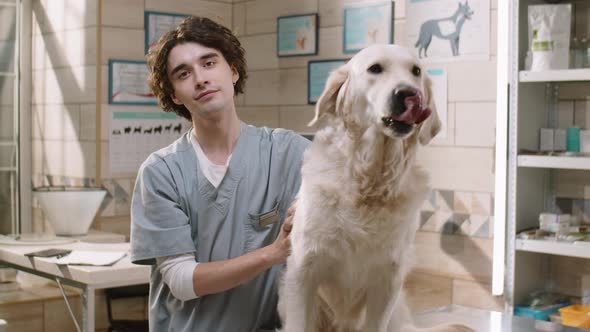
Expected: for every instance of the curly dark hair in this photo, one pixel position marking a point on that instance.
(199, 30)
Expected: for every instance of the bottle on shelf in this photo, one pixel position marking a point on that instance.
(528, 60)
(586, 58)
(581, 52)
(573, 49)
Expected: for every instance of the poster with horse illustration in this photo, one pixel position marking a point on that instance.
(449, 30)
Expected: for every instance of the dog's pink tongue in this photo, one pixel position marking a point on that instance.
(414, 113)
(424, 114)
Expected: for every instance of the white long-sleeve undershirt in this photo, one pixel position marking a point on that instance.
(177, 272)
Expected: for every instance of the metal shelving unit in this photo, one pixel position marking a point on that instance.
(557, 162)
(532, 178)
(569, 75)
(573, 249)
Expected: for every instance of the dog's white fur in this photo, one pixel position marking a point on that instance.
(356, 215)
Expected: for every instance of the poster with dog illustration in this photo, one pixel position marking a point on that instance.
(297, 35)
(367, 23)
(134, 135)
(449, 30)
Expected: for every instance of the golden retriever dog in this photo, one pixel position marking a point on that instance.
(356, 217)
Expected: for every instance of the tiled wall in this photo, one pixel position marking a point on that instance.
(454, 247)
(458, 212)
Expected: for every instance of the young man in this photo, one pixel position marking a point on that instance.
(208, 210)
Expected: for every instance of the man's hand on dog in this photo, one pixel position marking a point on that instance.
(282, 245)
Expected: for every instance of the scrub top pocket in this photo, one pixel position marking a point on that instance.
(262, 228)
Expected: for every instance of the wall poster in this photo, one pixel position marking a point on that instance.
(135, 135)
(449, 30)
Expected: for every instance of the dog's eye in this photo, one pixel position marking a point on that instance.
(375, 69)
(416, 71)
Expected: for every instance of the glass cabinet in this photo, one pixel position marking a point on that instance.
(12, 116)
(9, 174)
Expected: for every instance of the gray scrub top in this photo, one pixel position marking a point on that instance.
(176, 210)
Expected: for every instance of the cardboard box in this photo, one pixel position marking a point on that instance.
(585, 141)
(546, 136)
(559, 139)
(554, 223)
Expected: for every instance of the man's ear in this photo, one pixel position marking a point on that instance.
(432, 125)
(235, 76)
(327, 101)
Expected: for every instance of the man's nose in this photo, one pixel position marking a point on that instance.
(200, 79)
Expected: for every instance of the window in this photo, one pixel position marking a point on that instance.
(14, 146)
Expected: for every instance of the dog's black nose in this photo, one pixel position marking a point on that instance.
(400, 94)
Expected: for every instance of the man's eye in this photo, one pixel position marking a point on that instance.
(183, 74)
(209, 63)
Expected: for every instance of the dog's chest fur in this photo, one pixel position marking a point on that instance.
(355, 239)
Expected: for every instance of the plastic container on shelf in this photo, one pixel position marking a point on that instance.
(576, 315)
(539, 313)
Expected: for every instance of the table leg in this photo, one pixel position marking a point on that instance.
(67, 302)
(88, 309)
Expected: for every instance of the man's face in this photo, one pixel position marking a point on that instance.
(201, 78)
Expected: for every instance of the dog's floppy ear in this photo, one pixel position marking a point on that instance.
(432, 125)
(327, 101)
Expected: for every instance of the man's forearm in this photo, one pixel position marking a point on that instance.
(217, 277)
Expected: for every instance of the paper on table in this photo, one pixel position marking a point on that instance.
(83, 257)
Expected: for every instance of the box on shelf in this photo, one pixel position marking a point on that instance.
(559, 139)
(556, 140)
(554, 223)
(576, 315)
(546, 137)
(572, 139)
(585, 141)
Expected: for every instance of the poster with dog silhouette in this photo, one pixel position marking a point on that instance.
(134, 135)
(449, 30)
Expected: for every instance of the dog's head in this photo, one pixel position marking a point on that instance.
(383, 86)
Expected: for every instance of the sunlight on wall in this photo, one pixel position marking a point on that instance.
(63, 82)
